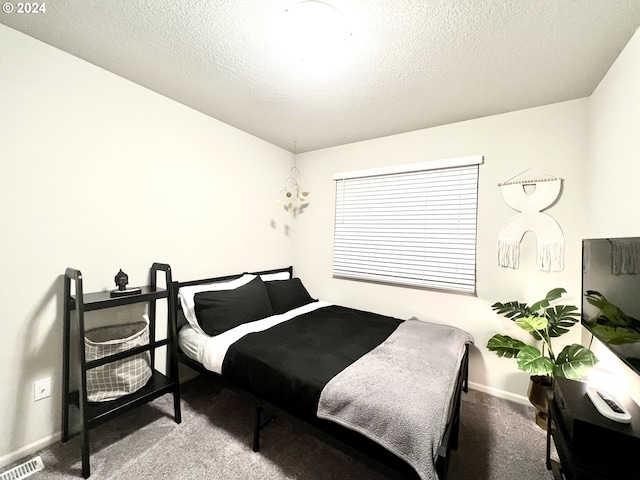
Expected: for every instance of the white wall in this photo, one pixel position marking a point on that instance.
(614, 168)
(552, 138)
(99, 174)
(77, 142)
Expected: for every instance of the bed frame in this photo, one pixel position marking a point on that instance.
(351, 443)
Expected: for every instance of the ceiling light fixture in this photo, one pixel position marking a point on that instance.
(316, 32)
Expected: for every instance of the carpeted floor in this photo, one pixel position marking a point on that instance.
(499, 440)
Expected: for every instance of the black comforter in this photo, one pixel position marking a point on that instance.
(289, 364)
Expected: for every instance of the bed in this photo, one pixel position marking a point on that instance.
(384, 390)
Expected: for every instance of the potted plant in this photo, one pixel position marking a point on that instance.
(544, 322)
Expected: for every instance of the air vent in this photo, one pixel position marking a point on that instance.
(23, 470)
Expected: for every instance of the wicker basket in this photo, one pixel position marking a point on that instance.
(119, 378)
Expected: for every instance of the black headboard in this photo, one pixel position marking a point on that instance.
(179, 316)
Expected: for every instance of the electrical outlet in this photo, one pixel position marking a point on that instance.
(41, 389)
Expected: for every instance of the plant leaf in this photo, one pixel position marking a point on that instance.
(504, 345)
(512, 310)
(609, 313)
(531, 361)
(574, 362)
(616, 335)
(595, 298)
(532, 323)
(552, 295)
(561, 318)
(555, 294)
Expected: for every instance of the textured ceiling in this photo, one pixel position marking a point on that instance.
(408, 64)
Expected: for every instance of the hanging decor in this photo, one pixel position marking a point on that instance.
(293, 197)
(529, 193)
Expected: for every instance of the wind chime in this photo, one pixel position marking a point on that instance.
(293, 196)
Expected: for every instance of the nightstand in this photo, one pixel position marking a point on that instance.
(589, 446)
(93, 414)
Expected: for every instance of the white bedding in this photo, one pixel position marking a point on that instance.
(210, 351)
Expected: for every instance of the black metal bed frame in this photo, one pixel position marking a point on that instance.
(351, 443)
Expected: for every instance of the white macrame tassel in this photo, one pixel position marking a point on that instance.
(508, 253)
(551, 257)
(625, 257)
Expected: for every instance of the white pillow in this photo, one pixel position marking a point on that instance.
(267, 277)
(187, 296)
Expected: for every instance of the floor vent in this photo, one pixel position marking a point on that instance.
(23, 470)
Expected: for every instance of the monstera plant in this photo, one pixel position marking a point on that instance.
(544, 322)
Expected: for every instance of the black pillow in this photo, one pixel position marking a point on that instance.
(287, 294)
(222, 310)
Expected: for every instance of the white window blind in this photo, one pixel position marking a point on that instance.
(413, 227)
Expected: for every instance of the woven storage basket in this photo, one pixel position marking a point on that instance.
(115, 379)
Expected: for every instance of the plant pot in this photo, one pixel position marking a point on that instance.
(537, 394)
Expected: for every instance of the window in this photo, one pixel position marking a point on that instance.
(411, 225)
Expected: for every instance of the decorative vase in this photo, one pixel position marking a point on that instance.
(538, 397)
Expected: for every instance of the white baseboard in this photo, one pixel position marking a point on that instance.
(29, 450)
(49, 440)
(522, 399)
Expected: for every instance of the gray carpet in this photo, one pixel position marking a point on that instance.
(498, 440)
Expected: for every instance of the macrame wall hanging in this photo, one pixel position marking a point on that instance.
(529, 193)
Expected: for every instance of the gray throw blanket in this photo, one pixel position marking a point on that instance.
(399, 394)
